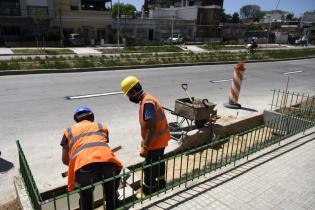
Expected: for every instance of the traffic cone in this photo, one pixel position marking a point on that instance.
(236, 87)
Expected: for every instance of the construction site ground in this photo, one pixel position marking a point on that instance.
(36, 112)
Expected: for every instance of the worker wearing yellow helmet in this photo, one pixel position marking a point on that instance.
(155, 133)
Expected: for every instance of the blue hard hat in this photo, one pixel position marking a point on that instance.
(82, 109)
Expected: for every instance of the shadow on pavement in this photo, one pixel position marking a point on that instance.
(249, 109)
(224, 177)
(5, 165)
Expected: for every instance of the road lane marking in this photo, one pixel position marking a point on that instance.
(292, 72)
(223, 80)
(94, 95)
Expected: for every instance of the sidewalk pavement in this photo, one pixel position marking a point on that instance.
(195, 49)
(5, 51)
(85, 50)
(280, 179)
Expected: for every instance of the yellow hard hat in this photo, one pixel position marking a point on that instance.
(128, 83)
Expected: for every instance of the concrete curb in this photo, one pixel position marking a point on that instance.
(22, 54)
(21, 193)
(114, 68)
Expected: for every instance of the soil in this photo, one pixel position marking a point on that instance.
(11, 205)
(225, 118)
(186, 165)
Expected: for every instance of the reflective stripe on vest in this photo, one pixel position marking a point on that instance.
(88, 145)
(98, 133)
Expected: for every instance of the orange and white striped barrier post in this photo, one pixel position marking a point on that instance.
(236, 87)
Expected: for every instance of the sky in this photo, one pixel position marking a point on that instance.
(298, 7)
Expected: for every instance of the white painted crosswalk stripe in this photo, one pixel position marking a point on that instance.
(94, 95)
(292, 72)
(218, 81)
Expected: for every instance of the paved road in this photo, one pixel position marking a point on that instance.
(34, 108)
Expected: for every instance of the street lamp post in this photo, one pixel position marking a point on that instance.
(118, 25)
(172, 27)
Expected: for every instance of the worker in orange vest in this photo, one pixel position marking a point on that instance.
(154, 131)
(89, 158)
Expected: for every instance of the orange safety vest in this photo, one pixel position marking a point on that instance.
(88, 143)
(162, 133)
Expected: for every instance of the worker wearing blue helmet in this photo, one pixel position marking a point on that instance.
(89, 158)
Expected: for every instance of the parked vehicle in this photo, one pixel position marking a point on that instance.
(176, 39)
(75, 40)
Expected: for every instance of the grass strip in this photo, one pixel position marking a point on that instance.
(42, 51)
(147, 59)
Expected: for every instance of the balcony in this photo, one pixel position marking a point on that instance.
(10, 11)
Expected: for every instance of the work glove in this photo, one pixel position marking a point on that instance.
(143, 152)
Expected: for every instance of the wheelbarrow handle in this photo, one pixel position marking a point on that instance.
(205, 102)
(185, 86)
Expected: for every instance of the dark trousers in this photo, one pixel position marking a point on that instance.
(154, 176)
(95, 172)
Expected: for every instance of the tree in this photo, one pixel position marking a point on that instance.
(235, 18)
(225, 18)
(290, 16)
(260, 14)
(124, 9)
(39, 17)
(249, 11)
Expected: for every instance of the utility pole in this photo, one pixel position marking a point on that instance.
(118, 26)
(60, 29)
(271, 20)
(172, 27)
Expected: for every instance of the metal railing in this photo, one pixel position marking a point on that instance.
(186, 166)
(28, 179)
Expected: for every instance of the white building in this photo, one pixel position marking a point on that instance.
(275, 16)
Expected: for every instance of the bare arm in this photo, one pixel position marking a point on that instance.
(65, 155)
(65, 150)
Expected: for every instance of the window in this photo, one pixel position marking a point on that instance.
(74, 5)
(10, 30)
(10, 8)
(35, 11)
(100, 5)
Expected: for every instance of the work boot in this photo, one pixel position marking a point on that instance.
(162, 184)
(147, 190)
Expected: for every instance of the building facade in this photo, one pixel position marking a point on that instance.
(275, 16)
(24, 20)
(155, 4)
(145, 30)
(205, 13)
(90, 18)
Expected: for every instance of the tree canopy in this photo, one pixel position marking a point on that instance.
(235, 18)
(227, 18)
(124, 9)
(249, 11)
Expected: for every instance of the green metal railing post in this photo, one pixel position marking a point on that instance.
(273, 96)
(236, 155)
(206, 158)
(28, 179)
(231, 155)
